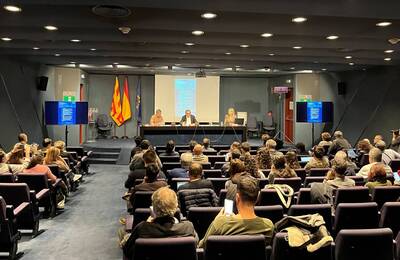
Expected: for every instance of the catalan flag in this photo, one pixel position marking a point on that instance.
(126, 103)
(116, 113)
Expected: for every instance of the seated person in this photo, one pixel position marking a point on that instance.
(4, 167)
(235, 154)
(339, 143)
(138, 140)
(206, 145)
(378, 138)
(395, 144)
(16, 160)
(137, 161)
(188, 119)
(36, 166)
(63, 153)
(196, 180)
(189, 153)
(198, 155)
(245, 222)
(157, 119)
(375, 156)
(230, 117)
(170, 149)
(363, 147)
(270, 145)
(387, 154)
(318, 159)
(377, 177)
(280, 169)
(46, 144)
(161, 224)
(263, 157)
(234, 145)
(23, 140)
(342, 158)
(291, 160)
(337, 177)
(325, 139)
(53, 157)
(250, 163)
(236, 170)
(301, 149)
(183, 171)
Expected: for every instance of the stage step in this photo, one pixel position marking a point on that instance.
(110, 155)
(104, 149)
(103, 161)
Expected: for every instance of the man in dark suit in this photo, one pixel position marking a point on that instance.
(188, 119)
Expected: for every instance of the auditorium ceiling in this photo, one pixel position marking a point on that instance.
(245, 37)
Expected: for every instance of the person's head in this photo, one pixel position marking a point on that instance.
(145, 144)
(47, 142)
(186, 161)
(138, 140)
(231, 111)
(198, 149)
(340, 170)
(235, 145)
(269, 113)
(378, 138)
(236, 166)
(17, 154)
(338, 134)
(270, 144)
(158, 112)
(35, 160)
(195, 171)
(206, 142)
(340, 157)
(170, 147)
(318, 152)
(265, 138)
(152, 171)
(375, 155)
(279, 162)
(247, 192)
(2, 156)
(291, 157)
(22, 138)
(264, 159)
(149, 157)
(245, 147)
(325, 136)
(192, 144)
(60, 145)
(364, 145)
(377, 173)
(52, 154)
(188, 113)
(301, 147)
(235, 154)
(381, 145)
(164, 202)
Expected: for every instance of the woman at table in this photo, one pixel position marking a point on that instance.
(157, 119)
(230, 117)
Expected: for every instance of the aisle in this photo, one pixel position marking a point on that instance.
(87, 229)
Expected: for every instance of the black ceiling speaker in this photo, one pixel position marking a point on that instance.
(42, 83)
(342, 88)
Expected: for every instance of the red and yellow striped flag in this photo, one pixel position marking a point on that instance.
(116, 111)
(126, 103)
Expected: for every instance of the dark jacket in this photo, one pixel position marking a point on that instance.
(197, 198)
(337, 145)
(178, 173)
(197, 184)
(139, 174)
(192, 119)
(169, 154)
(146, 186)
(159, 228)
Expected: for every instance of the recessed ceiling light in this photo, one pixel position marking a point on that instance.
(184, 52)
(388, 59)
(189, 43)
(348, 57)
(57, 54)
(35, 48)
(323, 69)
(197, 33)
(383, 24)
(208, 15)
(228, 53)
(266, 35)
(292, 68)
(72, 62)
(178, 64)
(75, 40)
(51, 28)
(93, 49)
(271, 54)
(297, 47)
(12, 8)
(237, 66)
(389, 51)
(332, 37)
(351, 63)
(115, 63)
(299, 19)
(208, 65)
(6, 39)
(244, 45)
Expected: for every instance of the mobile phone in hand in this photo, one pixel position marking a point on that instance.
(228, 207)
(396, 176)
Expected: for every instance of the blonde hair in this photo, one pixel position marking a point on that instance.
(52, 155)
(60, 145)
(165, 202)
(231, 111)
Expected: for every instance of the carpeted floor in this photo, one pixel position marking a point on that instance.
(87, 229)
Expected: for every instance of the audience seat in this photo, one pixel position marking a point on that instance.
(359, 180)
(317, 172)
(188, 198)
(206, 166)
(301, 173)
(25, 204)
(325, 210)
(220, 147)
(165, 159)
(269, 197)
(304, 196)
(175, 181)
(218, 165)
(235, 247)
(351, 195)
(266, 172)
(9, 235)
(201, 217)
(208, 153)
(310, 180)
(218, 184)
(382, 194)
(368, 244)
(282, 251)
(177, 248)
(262, 183)
(390, 217)
(273, 213)
(141, 199)
(222, 196)
(397, 241)
(395, 165)
(170, 165)
(7, 178)
(212, 174)
(356, 216)
(294, 182)
(216, 158)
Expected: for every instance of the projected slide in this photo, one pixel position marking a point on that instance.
(314, 112)
(185, 96)
(66, 113)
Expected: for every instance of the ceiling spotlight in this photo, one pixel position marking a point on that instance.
(271, 54)
(292, 68)
(72, 62)
(237, 66)
(388, 59)
(351, 63)
(383, 24)
(348, 57)
(323, 69)
(228, 53)
(115, 63)
(208, 15)
(189, 43)
(184, 52)
(297, 47)
(332, 37)
(93, 49)
(299, 19)
(75, 40)
(51, 28)
(178, 64)
(124, 29)
(266, 35)
(57, 55)
(35, 48)
(6, 39)
(244, 46)
(208, 65)
(197, 33)
(394, 41)
(389, 51)
(12, 8)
